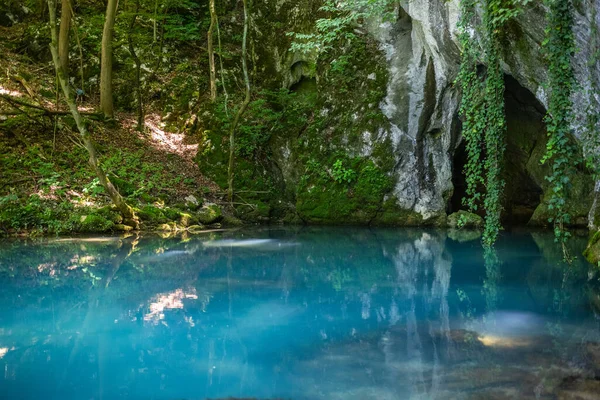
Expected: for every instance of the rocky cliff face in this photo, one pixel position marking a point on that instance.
(391, 116)
(424, 74)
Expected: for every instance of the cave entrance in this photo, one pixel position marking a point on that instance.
(525, 144)
(302, 81)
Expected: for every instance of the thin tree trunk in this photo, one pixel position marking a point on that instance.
(76, 32)
(222, 72)
(63, 35)
(106, 95)
(242, 108)
(154, 22)
(211, 53)
(138, 69)
(114, 194)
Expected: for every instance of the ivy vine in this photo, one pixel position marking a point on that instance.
(495, 15)
(559, 46)
(482, 109)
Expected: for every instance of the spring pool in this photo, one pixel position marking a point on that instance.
(306, 313)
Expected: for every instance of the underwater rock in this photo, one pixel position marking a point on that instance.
(592, 355)
(579, 389)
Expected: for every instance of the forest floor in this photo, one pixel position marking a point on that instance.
(45, 178)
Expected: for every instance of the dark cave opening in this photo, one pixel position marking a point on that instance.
(302, 80)
(525, 143)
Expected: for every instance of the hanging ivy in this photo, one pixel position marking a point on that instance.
(482, 109)
(471, 105)
(495, 131)
(559, 46)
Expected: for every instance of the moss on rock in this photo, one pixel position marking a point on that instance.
(209, 214)
(110, 213)
(94, 223)
(391, 214)
(464, 219)
(349, 192)
(592, 252)
(152, 215)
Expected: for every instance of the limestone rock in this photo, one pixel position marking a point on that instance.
(192, 202)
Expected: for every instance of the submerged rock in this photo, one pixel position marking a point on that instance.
(579, 389)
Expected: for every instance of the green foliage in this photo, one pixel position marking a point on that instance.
(471, 105)
(341, 174)
(559, 46)
(37, 215)
(343, 15)
(270, 113)
(496, 14)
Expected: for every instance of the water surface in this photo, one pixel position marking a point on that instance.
(312, 313)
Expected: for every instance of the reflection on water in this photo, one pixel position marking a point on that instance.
(299, 314)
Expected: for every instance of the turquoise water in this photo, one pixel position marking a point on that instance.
(312, 313)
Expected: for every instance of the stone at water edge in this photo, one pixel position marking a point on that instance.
(470, 220)
(123, 228)
(209, 214)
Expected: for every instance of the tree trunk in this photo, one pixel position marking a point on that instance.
(242, 108)
(226, 99)
(211, 53)
(106, 95)
(124, 209)
(63, 35)
(138, 70)
(75, 31)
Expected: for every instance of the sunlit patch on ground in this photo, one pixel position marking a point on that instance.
(9, 92)
(167, 141)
